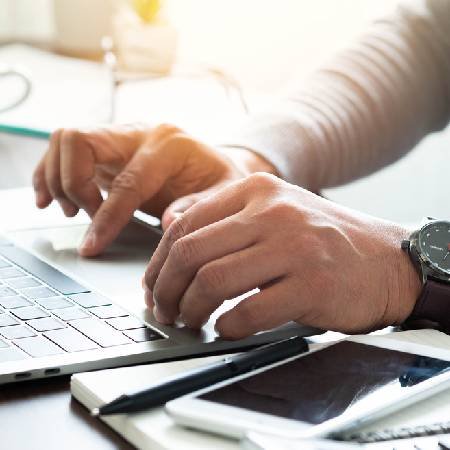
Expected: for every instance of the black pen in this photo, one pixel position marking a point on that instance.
(202, 377)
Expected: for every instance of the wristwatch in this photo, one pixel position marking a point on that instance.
(429, 250)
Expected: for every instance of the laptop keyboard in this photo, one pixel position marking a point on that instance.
(44, 312)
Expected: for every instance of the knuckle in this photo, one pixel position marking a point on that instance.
(184, 252)
(55, 136)
(279, 211)
(176, 146)
(126, 182)
(210, 278)
(166, 129)
(262, 180)
(72, 137)
(67, 136)
(176, 230)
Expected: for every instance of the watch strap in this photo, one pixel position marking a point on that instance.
(433, 304)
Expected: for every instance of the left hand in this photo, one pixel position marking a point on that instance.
(160, 170)
(314, 262)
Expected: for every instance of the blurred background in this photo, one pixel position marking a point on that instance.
(257, 49)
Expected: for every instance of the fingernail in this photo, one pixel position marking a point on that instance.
(89, 242)
(39, 198)
(68, 208)
(177, 214)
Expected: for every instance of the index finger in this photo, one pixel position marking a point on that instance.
(140, 180)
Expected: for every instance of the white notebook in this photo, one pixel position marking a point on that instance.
(155, 430)
(147, 430)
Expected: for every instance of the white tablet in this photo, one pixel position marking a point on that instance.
(336, 388)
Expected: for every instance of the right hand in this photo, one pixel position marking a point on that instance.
(161, 171)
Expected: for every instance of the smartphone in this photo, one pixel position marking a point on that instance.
(336, 388)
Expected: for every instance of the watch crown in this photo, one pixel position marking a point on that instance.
(405, 244)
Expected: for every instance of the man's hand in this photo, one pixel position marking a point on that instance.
(314, 262)
(162, 171)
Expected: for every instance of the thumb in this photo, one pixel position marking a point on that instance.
(128, 191)
(176, 208)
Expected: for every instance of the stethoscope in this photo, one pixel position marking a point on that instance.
(11, 72)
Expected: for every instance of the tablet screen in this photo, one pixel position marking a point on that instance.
(342, 378)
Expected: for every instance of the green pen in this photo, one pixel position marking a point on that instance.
(24, 131)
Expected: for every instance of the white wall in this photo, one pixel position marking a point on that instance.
(26, 19)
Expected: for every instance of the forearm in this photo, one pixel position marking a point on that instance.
(366, 108)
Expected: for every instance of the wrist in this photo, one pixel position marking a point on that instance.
(406, 284)
(247, 161)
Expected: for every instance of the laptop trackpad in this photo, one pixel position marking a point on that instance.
(135, 240)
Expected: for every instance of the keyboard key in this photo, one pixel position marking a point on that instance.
(38, 346)
(46, 324)
(10, 272)
(55, 303)
(3, 344)
(14, 302)
(12, 354)
(107, 312)
(89, 299)
(126, 323)
(100, 332)
(143, 335)
(31, 312)
(39, 292)
(4, 263)
(6, 291)
(71, 340)
(16, 332)
(23, 282)
(71, 314)
(7, 320)
(42, 270)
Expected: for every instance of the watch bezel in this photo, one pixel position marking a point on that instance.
(433, 269)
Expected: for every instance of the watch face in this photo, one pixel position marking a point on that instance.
(434, 243)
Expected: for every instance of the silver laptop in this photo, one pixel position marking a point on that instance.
(53, 322)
